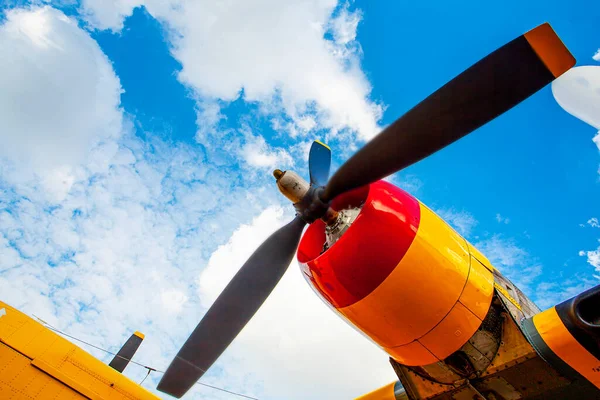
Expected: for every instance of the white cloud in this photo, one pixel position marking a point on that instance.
(528, 274)
(54, 71)
(257, 153)
(108, 14)
(578, 92)
(593, 258)
(294, 340)
(514, 262)
(115, 240)
(344, 25)
(597, 56)
(462, 221)
(276, 52)
(173, 300)
(549, 294)
(409, 183)
(502, 252)
(502, 220)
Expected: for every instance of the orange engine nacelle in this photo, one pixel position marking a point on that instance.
(400, 274)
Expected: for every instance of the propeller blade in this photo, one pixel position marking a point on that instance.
(126, 352)
(319, 162)
(234, 307)
(487, 89)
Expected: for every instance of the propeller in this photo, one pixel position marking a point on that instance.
(487, 89)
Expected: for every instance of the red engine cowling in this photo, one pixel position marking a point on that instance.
(401, 275)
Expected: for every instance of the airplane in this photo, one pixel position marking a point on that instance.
(452, 325)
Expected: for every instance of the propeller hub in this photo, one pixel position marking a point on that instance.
(311, 207)
(305, 197)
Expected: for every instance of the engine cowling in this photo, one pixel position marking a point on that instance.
(400, 274)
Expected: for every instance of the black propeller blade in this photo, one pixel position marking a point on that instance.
(319, 162)
(126, 352)
(489, 88)
(234, 307)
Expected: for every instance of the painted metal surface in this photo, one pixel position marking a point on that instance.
(391, 391)
(379, 275)
(562, 343)
(357, 264)
(36, 363)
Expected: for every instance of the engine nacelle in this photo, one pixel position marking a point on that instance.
(401, 275)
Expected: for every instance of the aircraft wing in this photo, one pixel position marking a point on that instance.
(37, 363)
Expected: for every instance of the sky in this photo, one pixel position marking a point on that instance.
(139, 136)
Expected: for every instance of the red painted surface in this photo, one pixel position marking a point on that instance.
(369, 250)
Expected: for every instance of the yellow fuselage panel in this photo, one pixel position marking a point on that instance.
(36, 363)
(391, 391)
(562, 343)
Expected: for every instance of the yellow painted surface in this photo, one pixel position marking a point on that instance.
(479, 256)
(452, 333)
(413, 353)
(564, 345)
(36, 363)
(323, 144)
(401, 315)
(20, 380)
(479, 290)
(401, 309)
(383, 393)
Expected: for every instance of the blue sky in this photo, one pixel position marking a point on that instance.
(535, 166)
(139, 143)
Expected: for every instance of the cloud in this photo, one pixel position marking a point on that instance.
(135, 234)
(597, 56)
(52, 69)
(462, 221)
(502, 220)
(578, 92)
(345, 24)
(549, 294)
(294, 338)
(593, 258)
(501, 251)
(527, 273)
(513, 261)
(272, 52)
(257, 153)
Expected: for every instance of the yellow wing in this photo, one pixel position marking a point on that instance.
(36, 363)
